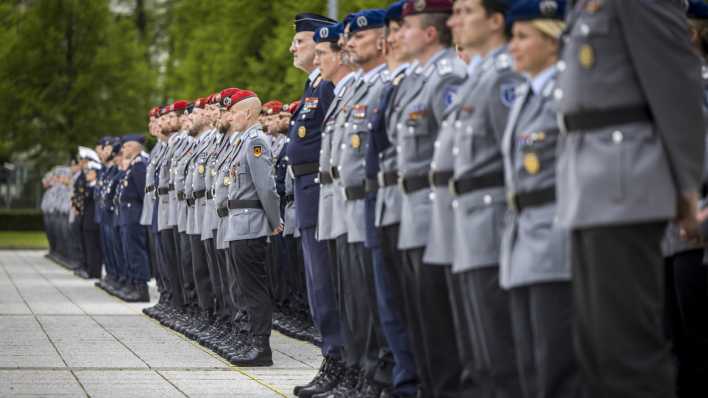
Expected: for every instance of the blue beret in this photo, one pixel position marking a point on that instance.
(132, 137)
(106, 140)
(329, 33)
(527, 10)
(697, 9)
(367, 19)
(308, 22)
(394, 12)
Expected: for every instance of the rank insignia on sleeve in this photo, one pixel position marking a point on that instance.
(257, 150)
(356, 141)
(302, 132)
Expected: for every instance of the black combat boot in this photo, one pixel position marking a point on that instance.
(258, 354)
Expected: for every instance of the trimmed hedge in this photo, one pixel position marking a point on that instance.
(21, 220)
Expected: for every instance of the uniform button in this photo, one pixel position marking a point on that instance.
(292, 123)
(346, 125)
(286, 158)
(399, 126)
(584, 29)
(458, 124)
(398, 148)
(370, 126)
(411, 130)
(245, 211)
(287, 140)
(321, 151)
(454, 204)
(561, 66)
(343, 146)
(444, 124)
(437, 144)
(487, 199)
(617, 137)
(339, 168)
(380, 155)
(455, 151)
(432, 165)
(331, 160)
(558, 94)
(432, 196)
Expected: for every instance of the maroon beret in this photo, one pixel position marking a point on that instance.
(413, 7)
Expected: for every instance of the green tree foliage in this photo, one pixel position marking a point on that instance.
(74, 70)
(71, 72)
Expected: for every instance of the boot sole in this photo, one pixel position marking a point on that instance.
(251, 364)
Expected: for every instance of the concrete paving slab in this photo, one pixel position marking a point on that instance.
(126, 384)
(23, 344)
(39, 383)
(221, 384)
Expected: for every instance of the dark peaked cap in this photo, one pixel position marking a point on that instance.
(308, 22)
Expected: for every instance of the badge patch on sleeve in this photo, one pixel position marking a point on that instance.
(449, 95)
(507, 94)
(257, 150)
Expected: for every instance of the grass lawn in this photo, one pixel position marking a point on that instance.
(23, 240)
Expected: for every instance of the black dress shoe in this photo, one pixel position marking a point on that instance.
(139, 293)
(259, 354)
(330, 379)
(324, 368)
(82, 273)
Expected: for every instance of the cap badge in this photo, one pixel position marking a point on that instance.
(419, 5)
(548, 7)
(361, 21)
(324, 33)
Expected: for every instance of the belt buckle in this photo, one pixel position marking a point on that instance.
(512, 201)
(452, 186)
(431, 179)
(562, 126)
(402, 184)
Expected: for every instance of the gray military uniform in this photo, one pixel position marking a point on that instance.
(422, 107)
(364, 101)
(222, 181)
(534, 247)
(332, 121)
(477, 153)
(218, 147)
(149, 199)
(633, 173)
(290, 219)
(181, 176)
(164, 166)
(388, 198)
(195, 183)
(251, 172)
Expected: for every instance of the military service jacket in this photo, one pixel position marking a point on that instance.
(481, 121)
(149, 197)
(535, 249)
(328, 192)
(251, 179)
(163, 181)
(132, 191)
(195, 183)
(363, 105)
(619, 54)
(421, 111)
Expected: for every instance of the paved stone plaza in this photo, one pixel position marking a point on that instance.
(61, 336)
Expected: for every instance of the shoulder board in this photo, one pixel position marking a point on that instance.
(253, 134)
(398, 79)
(503, 62)
(444, 66)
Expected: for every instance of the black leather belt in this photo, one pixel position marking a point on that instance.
(149, 188)
(171, 187)
(222, 212)
(180, 196)
(412, 184)
(190, 202)
(587, 121)
(244, 204)
(305, 169)
(210, 195)
(372, 185)
(441, 178)
(469, 184)
(163, 191)
(521, 200)
(289, 198)
(388, 178)
(334, 172)
(355, 192)
(199, 194)
(325, 178)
